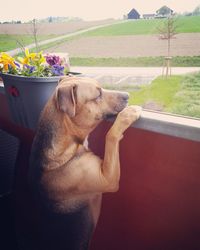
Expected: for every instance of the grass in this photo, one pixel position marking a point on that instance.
(188, 97)
(161, 91)
(9, 42)
(178, 61)
(177, 94)
(190, 24)
(146, 27)
(132, 27)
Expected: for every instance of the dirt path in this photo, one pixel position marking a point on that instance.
(130, 46)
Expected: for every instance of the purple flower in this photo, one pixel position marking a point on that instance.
(57, 70)
(17, 64)
(53, 60)
(30, 68)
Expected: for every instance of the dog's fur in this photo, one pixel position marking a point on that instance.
(66, 178)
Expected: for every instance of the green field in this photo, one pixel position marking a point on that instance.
(178, 61)
(177, 94)
(9, 42)
(146, 27)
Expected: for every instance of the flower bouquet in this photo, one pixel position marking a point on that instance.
(29, 81)
(34, 65)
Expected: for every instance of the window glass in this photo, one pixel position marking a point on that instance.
(150, 50)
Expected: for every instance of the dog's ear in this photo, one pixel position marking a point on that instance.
(66, 99)
(63, 78)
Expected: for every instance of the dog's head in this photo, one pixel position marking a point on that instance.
(86, 103)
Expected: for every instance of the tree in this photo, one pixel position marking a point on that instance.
(196, 11)
(35, 33)
(186, 13)
(167, 32)
(50, 19)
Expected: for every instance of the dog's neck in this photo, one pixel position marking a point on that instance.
(79, 134)
(66, 147)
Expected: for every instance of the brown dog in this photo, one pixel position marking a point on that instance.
(67, 179)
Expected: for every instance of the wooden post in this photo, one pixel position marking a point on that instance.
(167, 66)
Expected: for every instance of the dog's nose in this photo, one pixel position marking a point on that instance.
(125, 96)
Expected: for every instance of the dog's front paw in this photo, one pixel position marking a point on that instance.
(125, 118)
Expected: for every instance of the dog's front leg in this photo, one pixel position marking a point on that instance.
(111, 162)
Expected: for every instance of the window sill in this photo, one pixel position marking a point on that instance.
(168, 124)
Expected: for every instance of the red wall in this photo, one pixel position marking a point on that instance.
(158, 204)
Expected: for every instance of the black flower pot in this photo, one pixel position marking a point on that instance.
(27, 97)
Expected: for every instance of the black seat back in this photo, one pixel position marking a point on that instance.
(9, 146)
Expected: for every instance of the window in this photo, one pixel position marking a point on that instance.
(150, 51)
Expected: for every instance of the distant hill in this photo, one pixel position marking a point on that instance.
(57, 19)
(50, 19)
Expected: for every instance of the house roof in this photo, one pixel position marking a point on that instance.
(133, 11)
(164, 7)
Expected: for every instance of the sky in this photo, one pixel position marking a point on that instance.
(86, 9)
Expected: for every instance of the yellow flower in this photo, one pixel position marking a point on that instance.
(6, 60)
(31, 58)
(41, 58)
(28, 57)
(23, 60)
